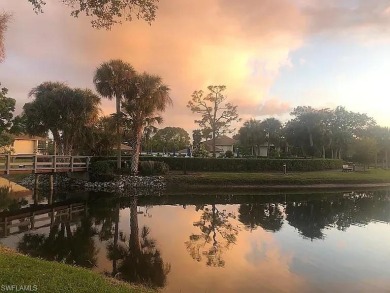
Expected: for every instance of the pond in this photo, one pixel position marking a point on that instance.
(314, 242)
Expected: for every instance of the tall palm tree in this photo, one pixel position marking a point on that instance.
(272, 127)
(112, 80)
(146, 97)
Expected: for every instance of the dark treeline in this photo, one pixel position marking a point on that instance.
(327, 133)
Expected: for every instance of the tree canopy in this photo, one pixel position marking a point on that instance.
(171, 139)
(146, 98)
(106, 13)
(215, 116)
(61, 110)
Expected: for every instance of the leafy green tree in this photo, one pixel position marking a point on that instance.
(200, 152)
(272, 128)
(98, 139)
(196, 137)
(145, 99)
(106, 13)
(215, 116)
(171, 139)
(112, 80)
(62, 111)
(7, 107)
(251, 135)
(365, 151)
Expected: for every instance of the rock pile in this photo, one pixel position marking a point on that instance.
(122, 183)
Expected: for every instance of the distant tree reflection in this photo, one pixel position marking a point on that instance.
(217, 234)
(268, 216)
(139, 260)
(63, 244)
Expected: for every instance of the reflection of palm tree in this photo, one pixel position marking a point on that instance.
(269, 216)
(211, 224)
(140, 261)
(62, 244)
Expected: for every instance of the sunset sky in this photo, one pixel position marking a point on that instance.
(272, 55)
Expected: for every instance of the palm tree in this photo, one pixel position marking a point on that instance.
(112, 80)
(272, 128)
(146, 97)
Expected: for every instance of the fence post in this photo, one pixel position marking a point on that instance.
(71, 163)
(8, 163)
(88, 162)
(35, 163)
(54, 163)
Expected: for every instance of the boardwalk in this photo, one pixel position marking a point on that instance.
(30, 218)
(38, 164)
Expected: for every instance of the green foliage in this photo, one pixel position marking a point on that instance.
(365, 151)
(4, 19)
(107, 13)
(229, 154)
(63, 111)
(247, 165)
(147, 168)
(170, 139)
(216, 117)
(102, 170)
(200, 152)
(7, 107)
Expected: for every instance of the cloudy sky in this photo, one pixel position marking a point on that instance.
(272, 55)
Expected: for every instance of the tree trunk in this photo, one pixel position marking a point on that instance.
(118, 132)
(136, 149)
(214, 154)
(268, 145)
(116, 237)
(323, 152)
(386, 157)
(311, 139)
(332, 153)
(134, 232)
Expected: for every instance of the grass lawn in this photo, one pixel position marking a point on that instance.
(293, 178)
(17, 269)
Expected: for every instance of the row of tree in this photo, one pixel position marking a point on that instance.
(327, 133)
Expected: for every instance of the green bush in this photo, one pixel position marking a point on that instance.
(153, 168)
(102, 170)
(246, 165)
(229, 154)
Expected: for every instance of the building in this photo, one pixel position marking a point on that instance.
(223, 144)
(29, 145)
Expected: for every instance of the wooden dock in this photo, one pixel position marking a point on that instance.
(41, 164)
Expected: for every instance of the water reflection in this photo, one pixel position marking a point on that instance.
(217, 235)
(212, 236)
(269, 216)
(139, 260)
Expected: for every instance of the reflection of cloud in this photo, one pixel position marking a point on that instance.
(256, 253)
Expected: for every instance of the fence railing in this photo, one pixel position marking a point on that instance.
(43, 163)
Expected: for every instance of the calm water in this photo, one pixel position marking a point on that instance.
(282, 243)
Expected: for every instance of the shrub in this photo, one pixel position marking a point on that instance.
(229, 154)
(153, 168)
(102, 170)
(247, 165)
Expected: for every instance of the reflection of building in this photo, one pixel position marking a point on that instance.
(29, 145)
(223, 144)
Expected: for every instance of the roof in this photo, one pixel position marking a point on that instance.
(29, 137)
(221, 140)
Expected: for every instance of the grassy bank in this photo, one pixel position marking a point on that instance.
(17, 269)
(219, 179)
